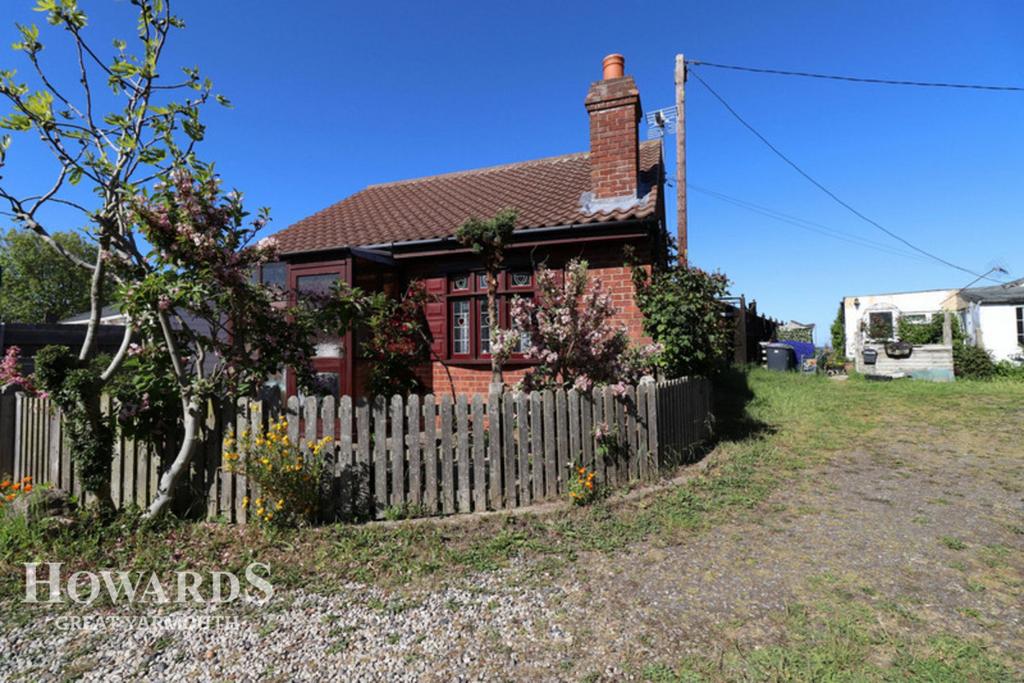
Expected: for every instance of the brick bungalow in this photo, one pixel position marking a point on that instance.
(589, 204)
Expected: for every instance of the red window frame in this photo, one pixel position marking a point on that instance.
(343, 365)
(476, 294)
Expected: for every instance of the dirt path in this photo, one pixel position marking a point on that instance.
(929, 539)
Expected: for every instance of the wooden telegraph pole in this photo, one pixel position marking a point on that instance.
(681, 236)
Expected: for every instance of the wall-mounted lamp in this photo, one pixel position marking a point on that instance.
(856, 302)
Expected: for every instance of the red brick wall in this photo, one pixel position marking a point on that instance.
(475, 379)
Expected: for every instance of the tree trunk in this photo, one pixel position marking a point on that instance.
(170, 478)
(492, 318)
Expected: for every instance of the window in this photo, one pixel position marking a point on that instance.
(1020, 325)
(469, 325)
(521, 279)
(460, 327)
(315, 285)
(274, 274)
(915, 318)
(880, 325)
(485, 327)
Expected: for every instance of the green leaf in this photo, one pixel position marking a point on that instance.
(224, 102)
(120, 44)
(75, 176)
(16, 122)
(40, 105)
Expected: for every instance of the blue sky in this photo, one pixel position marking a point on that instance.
(332, 96)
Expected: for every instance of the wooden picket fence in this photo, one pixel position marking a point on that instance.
(416, 455)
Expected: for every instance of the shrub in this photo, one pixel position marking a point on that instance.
(289, 478)
(972, 362)
(929, 332)
(683, 313)
(1004, 369)
(839, 330)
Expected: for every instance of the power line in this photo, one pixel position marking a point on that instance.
(824, 189)
(804, 224)
(856, 79)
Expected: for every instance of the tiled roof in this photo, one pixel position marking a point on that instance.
(546, 192)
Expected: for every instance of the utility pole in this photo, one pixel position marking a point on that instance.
(681, 236)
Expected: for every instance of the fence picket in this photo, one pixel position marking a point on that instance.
(494, 448)
(612, 419)
(361, 477)
(587, 429)
(380, 453)
(629, 407)
(344, 464)
(430, 454)
(445, 456)
(330, 454)
(643, 464)
(562, 447)
(414, 437)
(523, 447)
(550, 446)
(537, 444)
(397, 451)
(463, 488)
(508, 437)
(479, 455)
(600, 456)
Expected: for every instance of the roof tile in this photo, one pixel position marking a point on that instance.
(546, 192)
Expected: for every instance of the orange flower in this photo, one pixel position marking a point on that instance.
(5, 483)
(28, 488)
(16, 487)
(10, 497)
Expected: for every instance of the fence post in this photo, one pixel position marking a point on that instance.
(7, 430)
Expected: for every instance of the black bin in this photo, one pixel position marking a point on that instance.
(781, 357)
(870, 356)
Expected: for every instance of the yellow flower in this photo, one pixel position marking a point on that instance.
(280, 504)
(245, 502)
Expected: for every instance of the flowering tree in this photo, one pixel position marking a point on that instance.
(395, 341)
(202, 327)
(571, 331)
(10, 371)
(487, 238)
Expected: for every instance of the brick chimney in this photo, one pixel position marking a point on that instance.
(614, 107)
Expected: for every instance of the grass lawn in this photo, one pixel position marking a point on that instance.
(789, 452)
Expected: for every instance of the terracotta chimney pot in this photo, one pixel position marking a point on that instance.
(614, 66)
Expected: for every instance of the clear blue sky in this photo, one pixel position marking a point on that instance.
(332, 96)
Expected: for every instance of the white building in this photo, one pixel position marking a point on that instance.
(991, 317)
(996, 315)
(875, 313)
